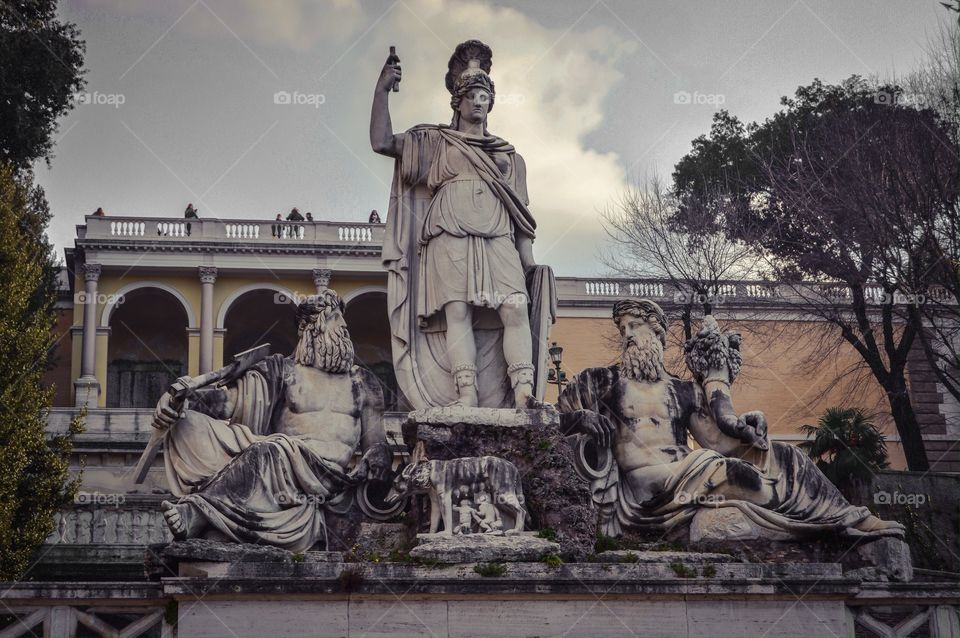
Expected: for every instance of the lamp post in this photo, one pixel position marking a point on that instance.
(556, 375)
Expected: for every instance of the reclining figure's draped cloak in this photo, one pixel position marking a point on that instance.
(450, 236)
(806, 501)
(253, 485)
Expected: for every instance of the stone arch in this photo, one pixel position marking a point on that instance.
(148, 346)
(359, 292)
(242, 290)
(257, 316)
(116, 299)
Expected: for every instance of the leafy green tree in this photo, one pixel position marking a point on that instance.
(848, 187)
(41, 62)
(936, 84)
(848, 448)
(34, 479)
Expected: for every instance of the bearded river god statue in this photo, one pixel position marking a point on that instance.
(257, 459)
(469, 309)
(652, 481)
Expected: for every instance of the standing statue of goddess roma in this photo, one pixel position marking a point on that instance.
(469, 309)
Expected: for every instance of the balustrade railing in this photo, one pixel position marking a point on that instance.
(232, 230)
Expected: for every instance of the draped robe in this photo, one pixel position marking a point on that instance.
(436, 250)
(253, 484)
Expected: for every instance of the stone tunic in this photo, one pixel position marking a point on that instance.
(467, 247)
(458, 202)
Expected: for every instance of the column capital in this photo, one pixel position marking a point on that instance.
(321, 278)
(91, 272)
(208, 274)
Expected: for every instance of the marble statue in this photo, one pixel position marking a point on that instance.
(255, 460)
(469, 308)
(492, 482)
(655, 482)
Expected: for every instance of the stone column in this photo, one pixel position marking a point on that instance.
(87, 388)
(321, 279)
(208, 275)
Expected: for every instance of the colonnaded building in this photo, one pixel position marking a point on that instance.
(145, 300)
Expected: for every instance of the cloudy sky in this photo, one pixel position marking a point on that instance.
(594, 94)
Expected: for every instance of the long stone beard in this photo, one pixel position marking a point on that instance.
(328, 350)
(643, 361)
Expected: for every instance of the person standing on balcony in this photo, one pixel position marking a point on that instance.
(294, 216)
(374, 218)
(190, 212)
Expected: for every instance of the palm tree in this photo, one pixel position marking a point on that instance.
(848, 448)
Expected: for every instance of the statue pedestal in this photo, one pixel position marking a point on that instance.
(682, 596)
(198, 557)
(557, 498)
(486, 548)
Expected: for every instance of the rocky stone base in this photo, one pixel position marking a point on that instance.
(889, 558)
(381, 540)
(647, 556)
(199, 556)
(556, 497)
(875, 559)
(482, 548)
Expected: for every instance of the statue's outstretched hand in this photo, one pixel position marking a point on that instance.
(169, 409)
(593, 424)
(166, 413)
(389, 75)
(753, 428)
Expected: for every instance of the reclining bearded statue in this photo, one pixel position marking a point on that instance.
(255, 460)
(655, 482)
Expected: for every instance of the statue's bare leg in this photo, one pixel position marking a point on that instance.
(183, 519)
(462, 352)
(518, 349)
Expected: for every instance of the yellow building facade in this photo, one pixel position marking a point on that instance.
(148, 299)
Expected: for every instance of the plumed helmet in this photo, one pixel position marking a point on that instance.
(469, 68)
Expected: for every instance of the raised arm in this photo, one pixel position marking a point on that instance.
(382, 139)
(714, 360)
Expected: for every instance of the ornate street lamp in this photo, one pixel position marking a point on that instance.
(556, 375)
